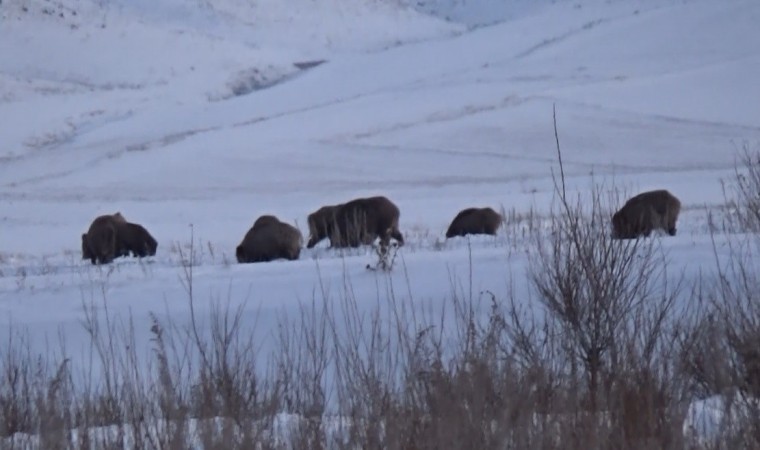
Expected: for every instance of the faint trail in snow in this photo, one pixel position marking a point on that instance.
(718, 126)
(41, 146)
(164, 141)
(577, 170)
(406, 149)
(184, 134)
(74, 127)
(446, 116)
(556, 39)
(144, 146)
(617, 168)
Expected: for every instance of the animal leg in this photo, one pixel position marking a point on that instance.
(396, 234)
(385, 241)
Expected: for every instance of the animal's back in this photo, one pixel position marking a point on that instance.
(265, 220)
(657, 197)
(268, 240)
(379, 216)
(474, 221)
(464, 213)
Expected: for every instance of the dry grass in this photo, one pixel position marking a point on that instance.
(742, 193)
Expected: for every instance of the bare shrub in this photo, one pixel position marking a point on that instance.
(386, 256)
(226, 382)
(609, 307)
(742, 193)
(16, 408)
(303, 360)
(722, 355)
(34, 393)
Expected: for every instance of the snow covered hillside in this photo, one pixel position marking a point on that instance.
(211, 113)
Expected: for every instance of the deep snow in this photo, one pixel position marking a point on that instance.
(179, 113)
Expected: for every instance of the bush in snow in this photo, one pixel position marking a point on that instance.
(742, 193)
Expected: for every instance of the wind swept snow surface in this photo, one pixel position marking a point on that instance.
(194, 118)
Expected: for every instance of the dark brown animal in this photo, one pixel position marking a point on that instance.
(357, 222)
(322, 224)
(269, 239)
(646, 212)
(110, 236)
(133, 237)
(100, 243)
(475, 221)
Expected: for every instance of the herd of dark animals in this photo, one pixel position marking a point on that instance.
(359, 222)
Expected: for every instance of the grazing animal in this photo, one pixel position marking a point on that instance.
(110, 236)
(357, 222)
(100, 244)
(646, 212)
(475, 221)
(133, 237)
(269, 239)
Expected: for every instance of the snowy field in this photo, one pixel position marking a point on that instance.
(193, 118)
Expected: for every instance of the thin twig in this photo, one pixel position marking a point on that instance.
(559, 152)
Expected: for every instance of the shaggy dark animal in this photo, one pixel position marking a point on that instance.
(357, 222)
(646, 212)
(100, 244)
(269, 239)
(475, 221)
(133, 237)
(110, 236)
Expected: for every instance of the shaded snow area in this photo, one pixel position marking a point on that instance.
(195, 117)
